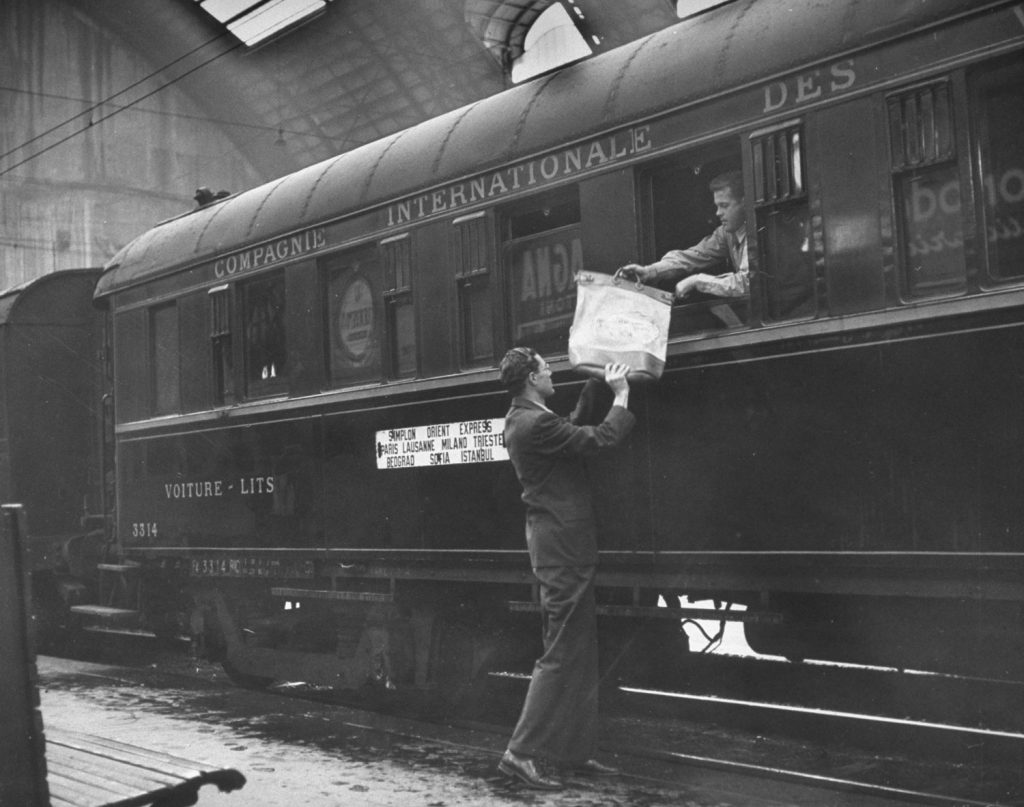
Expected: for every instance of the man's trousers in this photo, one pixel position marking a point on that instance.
(558, 722)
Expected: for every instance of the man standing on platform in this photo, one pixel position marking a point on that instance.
(558, 724)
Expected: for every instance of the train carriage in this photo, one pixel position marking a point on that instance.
(51, 460)
(308, 418)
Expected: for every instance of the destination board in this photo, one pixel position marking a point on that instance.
(460, 443)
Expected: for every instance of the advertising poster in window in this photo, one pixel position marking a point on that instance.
(543, 293)
(354, 324)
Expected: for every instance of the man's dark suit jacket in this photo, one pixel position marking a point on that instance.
(548, 454)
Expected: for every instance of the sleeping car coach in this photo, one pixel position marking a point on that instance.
(306, 423)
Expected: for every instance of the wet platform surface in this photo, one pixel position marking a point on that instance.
(294, 751)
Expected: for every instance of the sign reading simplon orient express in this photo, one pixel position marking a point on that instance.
(467, 441)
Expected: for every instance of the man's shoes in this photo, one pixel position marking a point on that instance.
(525, 770)
(594, 768)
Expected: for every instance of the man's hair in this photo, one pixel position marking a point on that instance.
(731, 181)
(516, 367)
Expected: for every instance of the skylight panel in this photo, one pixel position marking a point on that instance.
(552, 41)
(254, 21)
(691, 8)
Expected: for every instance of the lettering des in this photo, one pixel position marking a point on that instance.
(810, 86)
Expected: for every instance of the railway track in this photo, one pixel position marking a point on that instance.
(913, 738)
(817, 744)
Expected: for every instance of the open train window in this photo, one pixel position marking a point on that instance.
(396, 254)
(266, 352)
(783, 223)
(678, 214)
(352, 282)
(165, 359)
(999, 104)
(542, 251)
(926, 182)
(471, 251)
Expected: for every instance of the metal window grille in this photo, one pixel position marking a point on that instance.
(396, 255)
(921, 127)
(779, 165)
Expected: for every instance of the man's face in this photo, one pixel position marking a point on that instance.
(729, 210)
(541, 378)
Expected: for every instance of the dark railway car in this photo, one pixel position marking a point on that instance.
(49, 437)
(307, 414)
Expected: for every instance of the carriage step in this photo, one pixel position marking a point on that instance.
(651, 612)
(105, 612)
(330, 594)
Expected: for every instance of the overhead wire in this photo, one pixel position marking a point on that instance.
(105, 101)
(127, 106)
(146, 110)
(116, 112)
(132, 104)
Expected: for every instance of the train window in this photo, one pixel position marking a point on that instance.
(264, 327)
(926, 181)
(165, 359)
(542, 251)
(396, 254)
(220, 342)
(352, 293)
(470, 248)
(783, 223)
(999, 98)
(679, 214)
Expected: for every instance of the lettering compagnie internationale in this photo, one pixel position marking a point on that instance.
(210, 489)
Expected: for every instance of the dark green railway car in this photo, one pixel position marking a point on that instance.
(304, 374)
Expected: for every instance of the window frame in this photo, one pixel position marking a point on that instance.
(704, 314)
(471, 245)
(906, 166)
(981, 77)
(564, 204)
(155, 349)
(781, 187)
(277, 382)
(222, 358)
(352, 261)
(397, 293)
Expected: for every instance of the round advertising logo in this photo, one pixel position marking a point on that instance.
(355, 319)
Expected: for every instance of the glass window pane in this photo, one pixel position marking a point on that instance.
(220, 342)
(933, 245)
(265, 347)
(353, 310)
(477, 319)
(543, 293)
(403, 334)
(788, 275)
(1002, 149)
(166, 359)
